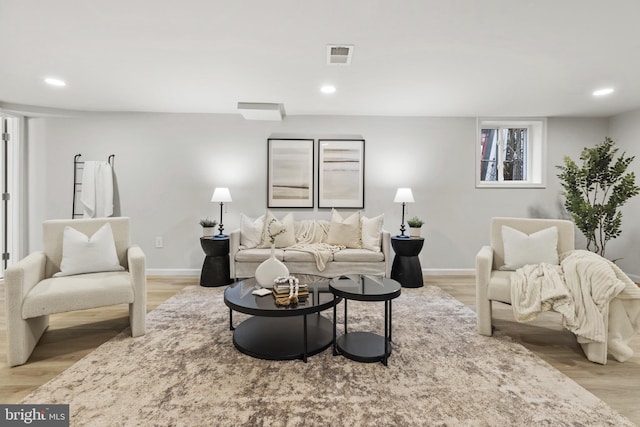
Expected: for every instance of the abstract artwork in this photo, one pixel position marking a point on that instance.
(290, 173)
(341, 173)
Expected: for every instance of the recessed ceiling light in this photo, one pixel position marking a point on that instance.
(603, 92)
(328, 89)
(54, 82)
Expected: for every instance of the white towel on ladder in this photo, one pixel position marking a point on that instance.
(97, 190)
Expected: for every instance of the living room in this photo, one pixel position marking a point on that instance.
(174, 141)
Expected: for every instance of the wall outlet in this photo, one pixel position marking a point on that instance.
(159, 242)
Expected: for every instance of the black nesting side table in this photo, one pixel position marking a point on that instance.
(364, 346)
(406, 267)
(215, 269)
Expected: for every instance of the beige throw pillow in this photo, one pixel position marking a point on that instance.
(344, 231)
(84, 254)
(521, 249)
(371, 229)
(273, 225)
(251, 231)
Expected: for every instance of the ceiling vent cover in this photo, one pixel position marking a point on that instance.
(339, 54)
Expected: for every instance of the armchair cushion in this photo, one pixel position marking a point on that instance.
(79, 292)
(83, 254)
(521, 248)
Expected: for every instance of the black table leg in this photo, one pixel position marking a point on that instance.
(304, 354)
(231, 328)
(335, 317)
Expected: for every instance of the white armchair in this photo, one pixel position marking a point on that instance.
(32, 293)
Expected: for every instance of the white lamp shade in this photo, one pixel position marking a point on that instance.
(221, 194)
(404, 195)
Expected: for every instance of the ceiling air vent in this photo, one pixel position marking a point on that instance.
(339, 54)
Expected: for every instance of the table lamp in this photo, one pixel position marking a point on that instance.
(221, 194)
(404, 196)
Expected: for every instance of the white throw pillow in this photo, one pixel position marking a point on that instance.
(371, 228)
(521, 249)
(345, 231)
(81, 254)
(251, 231)
(283, 240)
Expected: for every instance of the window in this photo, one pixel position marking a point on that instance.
(510, 153)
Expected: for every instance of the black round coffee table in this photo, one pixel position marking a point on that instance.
(364, 346)
(281, 333)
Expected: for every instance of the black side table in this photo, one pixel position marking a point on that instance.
(364, 346)
(215, 269)
(406, 267)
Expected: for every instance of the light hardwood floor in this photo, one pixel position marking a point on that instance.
(73, 335)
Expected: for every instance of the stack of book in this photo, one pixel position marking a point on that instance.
(282, 292)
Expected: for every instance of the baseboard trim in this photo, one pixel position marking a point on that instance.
(448, 272)
(173, 272)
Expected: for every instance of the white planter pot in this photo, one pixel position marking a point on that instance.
(415, 231)
(208, 231)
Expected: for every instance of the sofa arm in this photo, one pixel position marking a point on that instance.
(386, 250)
(234, 247)
(22, 276)
(484, 265)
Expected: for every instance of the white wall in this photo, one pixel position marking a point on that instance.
(624, 129)
(168, 164)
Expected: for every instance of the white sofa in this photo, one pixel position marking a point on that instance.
(32, 292)
(351, 260)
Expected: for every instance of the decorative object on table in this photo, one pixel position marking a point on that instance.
(595, 192)
(404, 196)
(415, 225)
(341, 173)
(290, 173)
(208, 227)
(272, 267)
(221, 195)
(287, 290)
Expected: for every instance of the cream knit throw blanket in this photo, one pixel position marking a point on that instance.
(310, 237)
(581, 288)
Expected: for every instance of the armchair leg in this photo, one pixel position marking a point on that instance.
(483, 313)
(22, 337)
(138, 317)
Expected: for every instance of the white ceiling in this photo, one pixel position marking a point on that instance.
(411, 57)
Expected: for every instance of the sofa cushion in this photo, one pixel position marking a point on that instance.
(257, 255)
(292, 255)
(251, 231)
(345, 231)
(84, 254)
(358, 255)
(272, 226)
(60, 294)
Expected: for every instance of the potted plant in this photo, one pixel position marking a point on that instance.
(595, 192)
(415, 225)
(208, 227)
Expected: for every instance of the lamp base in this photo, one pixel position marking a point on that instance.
(224, 236)
(402, 236)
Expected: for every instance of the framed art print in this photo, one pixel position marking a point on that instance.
(290, 173)
(341, 173)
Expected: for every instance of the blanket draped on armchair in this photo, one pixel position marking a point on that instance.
(592, 294)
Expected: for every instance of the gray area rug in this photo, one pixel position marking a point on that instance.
(186, 372)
